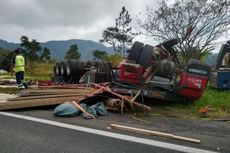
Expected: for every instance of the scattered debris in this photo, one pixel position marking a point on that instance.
(71, 109)
(204, 110)
(82, 109)
(154, 133)
(50, 94)
(122, 98)
(43, 97)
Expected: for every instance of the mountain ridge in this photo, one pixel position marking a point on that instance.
(58, 48)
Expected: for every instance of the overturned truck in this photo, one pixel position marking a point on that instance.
(155, 70)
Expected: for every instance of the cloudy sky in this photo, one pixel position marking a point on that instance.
(45, 20)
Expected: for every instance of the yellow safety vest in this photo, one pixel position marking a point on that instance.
(19, 63)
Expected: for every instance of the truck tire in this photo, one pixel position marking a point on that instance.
(135, 52)
(73, 68)
(63, 69)
(145, 56)
(58, 69)
(54, 71)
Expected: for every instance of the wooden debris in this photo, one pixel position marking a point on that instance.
(34, 102)
(113, 104)
(82, 109)
(37, 97)
(155, 133)
(107, 89)
(43, 97)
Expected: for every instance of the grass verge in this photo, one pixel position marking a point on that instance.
(217, 101)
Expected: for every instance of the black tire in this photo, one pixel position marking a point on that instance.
(170, 43)
(58, 69)
(54, 71)
(73, 68)
(63, 69)
(145, 56)
(135, 52)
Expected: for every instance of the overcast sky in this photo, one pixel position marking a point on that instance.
(46, 20)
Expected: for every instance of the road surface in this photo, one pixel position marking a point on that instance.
(38, 131)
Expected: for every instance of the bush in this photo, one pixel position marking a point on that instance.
(115, 59)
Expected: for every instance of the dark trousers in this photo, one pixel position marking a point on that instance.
(19, 77)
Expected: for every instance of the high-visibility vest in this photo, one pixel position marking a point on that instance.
(19, 63)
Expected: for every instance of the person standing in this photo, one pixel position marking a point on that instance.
(19, 69)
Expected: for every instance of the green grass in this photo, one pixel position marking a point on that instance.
(218, 102)
(39, 71)
(216, 99)
(35, 71)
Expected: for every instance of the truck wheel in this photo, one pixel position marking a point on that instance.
(135, 52)
(54, 71)
(73, 67)
(63, 69)
(57, 69)
(145, 56)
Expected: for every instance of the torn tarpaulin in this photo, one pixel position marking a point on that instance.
(69, 110)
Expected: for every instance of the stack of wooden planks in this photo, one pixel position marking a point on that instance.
(44, 97)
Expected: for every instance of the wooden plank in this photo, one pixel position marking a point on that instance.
(41, 92)
(82, 109)
(155, 133)
(31, 101)
(42, 97)
(56, 91)
(35, 102)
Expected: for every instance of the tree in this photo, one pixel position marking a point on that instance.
(197, 23)
(73, 52)
(5, 59)
(110, 36)
(32, 48)
(45, 54)
(125, 35)
(120, 36)
(97, 54)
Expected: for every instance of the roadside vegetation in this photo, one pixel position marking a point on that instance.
(216, 102)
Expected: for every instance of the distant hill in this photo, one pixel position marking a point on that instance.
(8, 45)
(59, 48)
(86, 47)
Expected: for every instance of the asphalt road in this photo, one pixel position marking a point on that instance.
(21, 135)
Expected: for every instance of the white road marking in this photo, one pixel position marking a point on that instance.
(111, 134)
